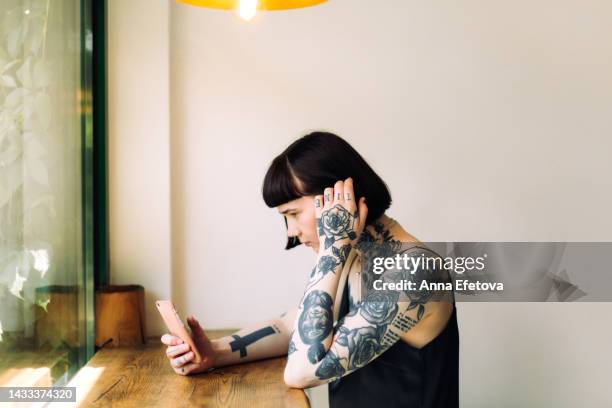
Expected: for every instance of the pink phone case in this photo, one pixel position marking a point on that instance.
(176, 327)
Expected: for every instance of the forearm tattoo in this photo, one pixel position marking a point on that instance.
(359, 346)
(374, 323)
(315, 323)
(291, 348)
(329, 264)
(342, 253)
(330, 367)
(241, 343)
(337, 224)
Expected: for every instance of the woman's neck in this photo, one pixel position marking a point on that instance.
(381, 229)
(386, 228)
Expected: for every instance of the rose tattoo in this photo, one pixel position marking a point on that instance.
(336, 224)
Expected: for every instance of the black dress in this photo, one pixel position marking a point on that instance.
(404, 376)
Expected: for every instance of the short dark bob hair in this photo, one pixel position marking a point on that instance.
(317, 161)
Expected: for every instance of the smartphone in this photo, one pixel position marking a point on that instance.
(176, 327)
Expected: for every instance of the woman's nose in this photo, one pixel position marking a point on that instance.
(292, 230)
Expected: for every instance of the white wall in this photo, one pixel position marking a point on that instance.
(139, 145)
(489, 120)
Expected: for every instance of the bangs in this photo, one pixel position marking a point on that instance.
(279, 185)
(316, 161)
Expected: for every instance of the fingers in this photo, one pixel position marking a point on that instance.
(363, 213)
(328, 198)
(195, 327)
(349, 195)
(318, 203)
(186, 369)
(182, 360)
(342, 193)
(174, 351)
(170, 340)
(339, 192)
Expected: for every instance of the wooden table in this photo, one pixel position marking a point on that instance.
(35, 368)
(142, 377)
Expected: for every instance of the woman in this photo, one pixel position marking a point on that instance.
(374, 348)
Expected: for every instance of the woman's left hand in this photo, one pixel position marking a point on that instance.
(340, 219)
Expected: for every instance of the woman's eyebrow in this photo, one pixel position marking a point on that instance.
(287, 210)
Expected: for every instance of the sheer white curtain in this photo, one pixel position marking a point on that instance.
(40, 161)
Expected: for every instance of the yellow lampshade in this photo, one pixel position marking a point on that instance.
(261, 4)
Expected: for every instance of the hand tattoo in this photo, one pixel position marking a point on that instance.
(337, 224)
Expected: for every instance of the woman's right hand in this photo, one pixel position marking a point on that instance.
(180, 354)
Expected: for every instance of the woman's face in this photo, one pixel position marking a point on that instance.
(301, 220)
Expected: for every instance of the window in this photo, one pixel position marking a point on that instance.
(46, 208)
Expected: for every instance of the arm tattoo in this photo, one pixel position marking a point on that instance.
(241, 343)
(383, 315)
(291, 348)
(389, 339)
(342, 253)
(336, 224)
(379, 307)
(403, 323)
(327, 264)
(330, 367)
(316, 323)
(363, 344)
